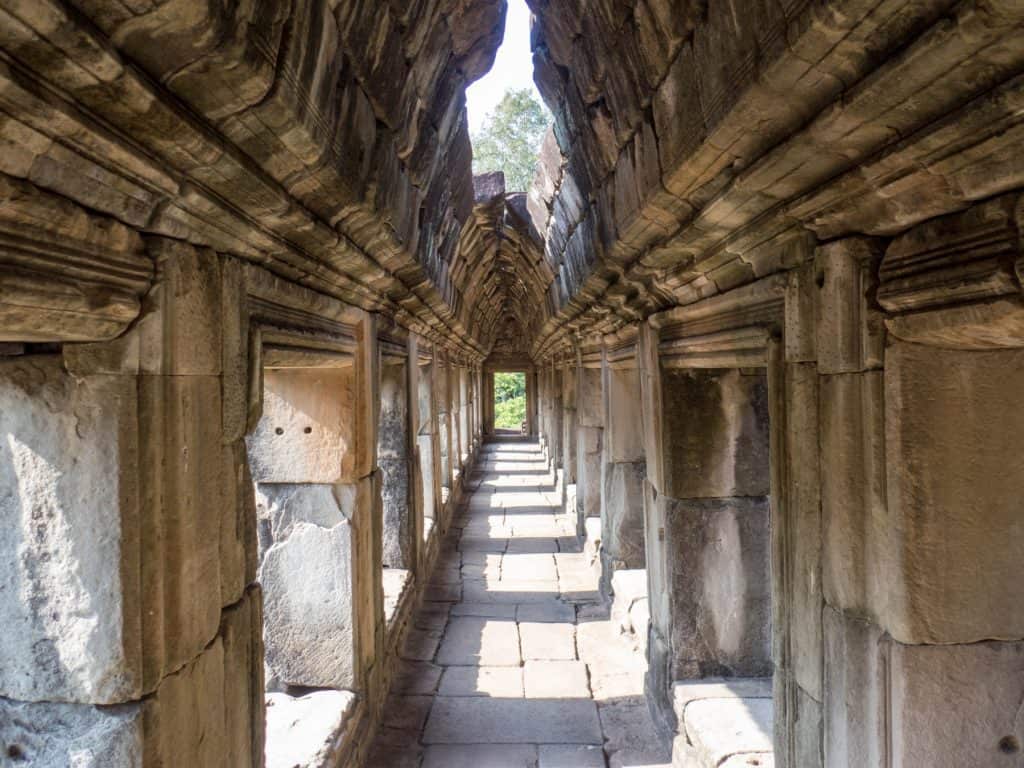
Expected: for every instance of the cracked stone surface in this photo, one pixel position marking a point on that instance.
(513, 661)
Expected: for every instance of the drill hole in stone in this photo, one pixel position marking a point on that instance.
(308, 430)
(1009, 745)
(279, 431)
(15, 752)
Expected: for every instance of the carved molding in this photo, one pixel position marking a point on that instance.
(65, 274)
(955, 282)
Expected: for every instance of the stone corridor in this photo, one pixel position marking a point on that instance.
(766, 290)
(513, 660)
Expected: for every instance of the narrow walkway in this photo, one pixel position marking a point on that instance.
(512, 661)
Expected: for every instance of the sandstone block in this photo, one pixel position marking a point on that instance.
(957, 705)
(953, 560)
(495, 682)
(721, 728)
(855, 690)
(721, 590)
(307, 431)
(624, 432)
(304, 732)
(622, 526)
(307, 579)
(850, 330)
(181, 326)
(71, 735)
(715, 433)
(853, 490)
(69, 505)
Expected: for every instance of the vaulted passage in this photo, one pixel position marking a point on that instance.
(264, 500)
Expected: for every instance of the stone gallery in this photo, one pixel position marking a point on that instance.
(766, 289)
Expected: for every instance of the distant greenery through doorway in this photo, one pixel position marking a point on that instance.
(509, 400)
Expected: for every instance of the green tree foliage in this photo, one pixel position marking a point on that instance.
(509, 400)
(510, 139)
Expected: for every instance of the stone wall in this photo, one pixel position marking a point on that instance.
(830, 465)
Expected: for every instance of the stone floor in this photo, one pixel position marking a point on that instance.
(512, 662)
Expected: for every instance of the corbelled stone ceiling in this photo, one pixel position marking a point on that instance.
(695, 145)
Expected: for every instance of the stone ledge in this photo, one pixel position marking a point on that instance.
(396, 588)
(307, 731)
(724, 723)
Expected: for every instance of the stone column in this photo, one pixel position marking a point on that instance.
(394, 459)
(427, 445)
(589, 450)
(444, 423)
(369, 628)
(569, 423)
(623, 471)
(555, 414)
(532, 405)
(128, 537)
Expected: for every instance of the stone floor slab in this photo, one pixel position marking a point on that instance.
(493, 682)
(547, 641)
(553, 611)
(555, 680)
(571, 756)
(481, 756)
(472, 641)
(465, 720)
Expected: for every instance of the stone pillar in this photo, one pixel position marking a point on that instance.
(427, 447)
(569, 423)
(399, 545)
(369, 620)
(442, 401)
(623, 471)
(129, 539)
(455, 412)
(589, 450)
(554, 427)
(532, 405)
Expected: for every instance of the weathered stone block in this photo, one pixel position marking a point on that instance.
(624, 430)
(69, 538)
(65, 735)
(853, 491)
(306, 731)
(185, 719)
(180, 328)
(392, 439)
(954, 520)
(855, 691)
(241, 632)
(719, 555)
(798, 597)
(956, 705)
(307, 432)
(181, 507)
(622, 515)
(715, 433)
(396, 497)
(851, 334)
(307, 579)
